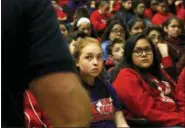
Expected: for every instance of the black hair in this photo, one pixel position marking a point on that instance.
(76, 35)
(111, 44)
(127, 62)
(132, 21)
(154, 27)
(107, 31)
(136, 3)
(162, 1)
(168, 21)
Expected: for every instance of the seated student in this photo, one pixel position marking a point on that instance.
(115, 30)
(79, 12)
(150, 10)
(162, 13)
(83, 24)
(100, 16)
(176, 42)
(115, 53)
(139, 9)
(125, 12)
(106, 110)
(146, 90)
(135, 26)
(156, 35)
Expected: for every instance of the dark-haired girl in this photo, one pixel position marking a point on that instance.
(156, 35)
(135, 26)
(176, 41)
(147, 91)
(116, 30)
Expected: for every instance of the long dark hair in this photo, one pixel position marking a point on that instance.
(127, 62)
(107, 32)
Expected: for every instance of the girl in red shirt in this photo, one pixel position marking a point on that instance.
(147, 91)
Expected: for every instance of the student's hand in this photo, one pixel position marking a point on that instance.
(163, 48)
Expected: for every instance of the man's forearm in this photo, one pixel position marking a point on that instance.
(63, 98)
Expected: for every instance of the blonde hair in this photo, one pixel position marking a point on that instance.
(83, 42)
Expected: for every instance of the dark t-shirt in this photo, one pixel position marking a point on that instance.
(104, 102)
(32, 45)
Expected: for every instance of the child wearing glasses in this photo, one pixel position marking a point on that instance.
(115, 30)
(146, 90)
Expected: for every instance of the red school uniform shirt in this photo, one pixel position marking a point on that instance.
(34, 117)
(116, 5)
(154, 104)
(99, 20)
(149, 14)
(159, 19)
(181, 14)
(63, 2)
(60, 14)
(181, 85)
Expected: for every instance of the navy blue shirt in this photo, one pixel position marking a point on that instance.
(105, 103)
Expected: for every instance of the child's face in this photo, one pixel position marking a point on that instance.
(117, 32)
(162, 8)
(86, 28)
(127, 4)
(155, 37)
(105, 9)
(173, 29)
(142, 55)
(64, 30)
(140, 10)
(90, 61)
(137, 28)
(117, 51)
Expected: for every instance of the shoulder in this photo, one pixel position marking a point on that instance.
(128, 73)
(95, 12)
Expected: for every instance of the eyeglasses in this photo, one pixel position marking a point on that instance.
(117, 31)
(139, 51)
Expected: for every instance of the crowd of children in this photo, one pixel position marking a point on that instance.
(130, 57)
